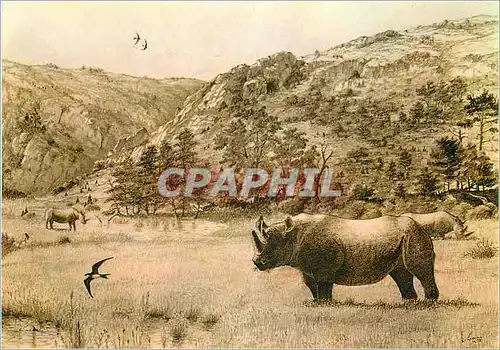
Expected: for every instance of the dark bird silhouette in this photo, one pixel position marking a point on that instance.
(136, 38)
(95, 274)
(26, 236)
(145, 45)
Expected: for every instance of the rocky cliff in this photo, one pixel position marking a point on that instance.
(57, 122)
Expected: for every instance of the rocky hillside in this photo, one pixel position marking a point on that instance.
(57, 122)
(357, 92)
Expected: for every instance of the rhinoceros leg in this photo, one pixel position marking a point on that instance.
(404, 280)
(311, 284)
(419, 261)
(325, 290)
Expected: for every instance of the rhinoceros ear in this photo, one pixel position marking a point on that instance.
(289, 225)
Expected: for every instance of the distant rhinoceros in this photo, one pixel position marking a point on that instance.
(64, 216)
(439, 223)
(330, 250)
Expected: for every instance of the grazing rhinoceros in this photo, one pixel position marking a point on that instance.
(330, 250)
(439, 223)
(64, 216)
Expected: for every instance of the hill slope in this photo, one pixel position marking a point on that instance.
(355, 92)
(57, 122)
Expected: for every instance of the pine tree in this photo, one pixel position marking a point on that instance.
(125, 191)
(446, 158)
(428, 183)
(391, 170)
(483, 110)
(148, 177)
(400, 191)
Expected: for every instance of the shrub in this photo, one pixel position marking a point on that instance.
(99, 165)
(484, 249)
(481, 212)
(291, 206)
(354, 210)
(400, 191)
(363, 192)
(492, 207)
(422, 207)
(372, 214)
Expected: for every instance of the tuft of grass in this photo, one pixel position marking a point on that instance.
(211, 320)
(63, 240)
(162, 309)
(8, 244)
(178, 330)
(484, 249)
(192, 314)
(139, 225)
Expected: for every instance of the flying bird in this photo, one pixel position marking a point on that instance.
(145, 45)
(95, 274)
(136, 38)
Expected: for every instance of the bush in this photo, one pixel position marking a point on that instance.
(481, 212)
(422, 207)
(492, 207)
(354, 210)
(99, 165)
(291, 206)
(484, 249)
(363, 192)
(372, 214)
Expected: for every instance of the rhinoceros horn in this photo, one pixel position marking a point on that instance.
(261, 226)
(258, 243)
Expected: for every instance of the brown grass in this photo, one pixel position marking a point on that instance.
(195, 287)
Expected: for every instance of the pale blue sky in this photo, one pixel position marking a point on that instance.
(201, 39)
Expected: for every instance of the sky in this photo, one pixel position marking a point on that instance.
(201, 39)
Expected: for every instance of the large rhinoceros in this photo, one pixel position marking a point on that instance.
(330, 250)
(440, 223)
(69, 216)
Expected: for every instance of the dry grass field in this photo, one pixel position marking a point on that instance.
(194, 285)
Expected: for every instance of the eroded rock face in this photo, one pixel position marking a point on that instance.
(131, 141)
(254, 88)
(57, 122)
(44, 166)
